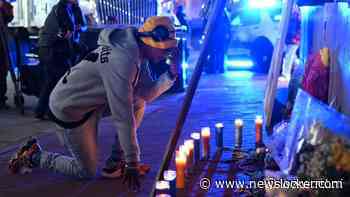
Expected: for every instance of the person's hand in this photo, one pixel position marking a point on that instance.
(173, 71)
(131, 176)
(173, 61)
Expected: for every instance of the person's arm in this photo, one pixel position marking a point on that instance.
(119, 90)
(65, 24)
(7, 12)
(80, 19)
(149, 89)
(118, 83)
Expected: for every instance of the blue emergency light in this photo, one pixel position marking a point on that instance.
(260, 4)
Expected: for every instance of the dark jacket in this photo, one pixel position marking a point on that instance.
(58, 22)
(6, 15)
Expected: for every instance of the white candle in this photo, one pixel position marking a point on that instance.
(258, 130)
(184, 149)
(196, 138)
(180, 161)
(238, 132)
(219, 135)
(205, 134)
(189, 144)
(170, 176)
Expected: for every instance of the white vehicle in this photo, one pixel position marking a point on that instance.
(255, 29)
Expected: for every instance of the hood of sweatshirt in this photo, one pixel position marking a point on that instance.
(120, 39)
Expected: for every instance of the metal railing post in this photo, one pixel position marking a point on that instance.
(212, 22)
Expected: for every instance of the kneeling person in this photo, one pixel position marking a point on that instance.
(115, 75)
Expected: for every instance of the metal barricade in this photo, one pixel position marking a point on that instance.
(125, 12)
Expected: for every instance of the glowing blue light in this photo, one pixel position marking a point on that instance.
(306, 10)
(239, 63)
(262, 3)
(239, 74)
(184, 65)
(344, 8)
(236, 21)
(278, 17)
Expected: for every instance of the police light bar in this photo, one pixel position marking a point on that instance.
(262, 3)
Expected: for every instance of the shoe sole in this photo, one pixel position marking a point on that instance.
(114, 175)
(17, 166)
(14, 166)
(143, 170)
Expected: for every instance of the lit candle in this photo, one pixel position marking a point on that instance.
(238, 132)
(196, 138)
(219, 128)
(162, 187)
(183, 149)
(189, 144)
(258, 130)
(205, 134)
(180, 161)
(170, 176)
(163, 195)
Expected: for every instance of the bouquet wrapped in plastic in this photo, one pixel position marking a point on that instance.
(316, 143)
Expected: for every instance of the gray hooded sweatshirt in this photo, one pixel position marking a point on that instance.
(113, 75)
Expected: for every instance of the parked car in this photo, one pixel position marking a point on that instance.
(255, 30)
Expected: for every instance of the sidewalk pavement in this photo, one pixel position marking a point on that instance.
(219, 98)
(15, 127)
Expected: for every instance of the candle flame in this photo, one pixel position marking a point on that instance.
(162, 185)
(196, 136)
(258, 120)
(219, 125)
(180, 157)
(163, 195)
(184, 149)
(206, 131)
(189, 144)
(238, 122)
(169, 175)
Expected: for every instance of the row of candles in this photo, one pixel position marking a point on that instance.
(188, 154)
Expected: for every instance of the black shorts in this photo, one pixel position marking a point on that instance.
(70, 125)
